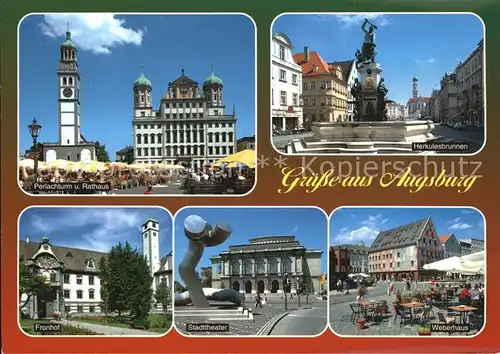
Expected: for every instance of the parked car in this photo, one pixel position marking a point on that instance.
(459, 126)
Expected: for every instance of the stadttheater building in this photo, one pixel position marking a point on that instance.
(264, 263)
(73, 274)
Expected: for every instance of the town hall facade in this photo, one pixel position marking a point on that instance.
(191, 125)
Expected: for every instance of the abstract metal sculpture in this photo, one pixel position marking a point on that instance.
(200, 234)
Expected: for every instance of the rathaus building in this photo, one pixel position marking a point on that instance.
(190, 125)
(265, 264)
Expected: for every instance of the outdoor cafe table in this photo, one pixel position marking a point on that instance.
(368, 304)
(463, 310)
(412, 305)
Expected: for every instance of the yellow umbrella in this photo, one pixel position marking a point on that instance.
(139, 166)
(246, 157)
(90, 166)
(240, 164)
(61, 164)
(119, 165)
(176, 167)
(30, 163)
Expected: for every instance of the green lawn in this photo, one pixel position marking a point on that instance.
(27, 325)
(160, 323)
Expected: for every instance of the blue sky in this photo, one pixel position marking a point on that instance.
(111, 50)
(308, 225)
(427, 46)
(93, 228)
(353, 225)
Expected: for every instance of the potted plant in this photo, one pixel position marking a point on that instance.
(360, 323)
(361, 292)
(424, 331)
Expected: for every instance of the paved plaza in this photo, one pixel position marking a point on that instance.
(272, 317)
(341, 321)
(473, 138)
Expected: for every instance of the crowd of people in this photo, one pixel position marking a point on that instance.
(122, 178)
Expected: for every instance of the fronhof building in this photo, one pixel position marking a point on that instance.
(190, 126)
(264, 263)
(71, 146)
(73, 274)
(403, 251)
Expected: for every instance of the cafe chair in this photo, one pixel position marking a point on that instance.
(356, 311)
(404, 315)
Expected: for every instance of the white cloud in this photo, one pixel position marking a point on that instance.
(379, 20)
(295, 229)
(367, 232)
(108, 226)
(98, 33)
(425, 61)
(460, 226)
(468, 211)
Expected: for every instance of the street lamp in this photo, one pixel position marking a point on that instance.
(298, 290)
(34, 129)
(285, 286)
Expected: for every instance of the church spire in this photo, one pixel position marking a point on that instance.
(68, 33)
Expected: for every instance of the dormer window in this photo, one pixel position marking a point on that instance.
(90, 264)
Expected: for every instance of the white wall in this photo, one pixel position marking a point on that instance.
(292, 70)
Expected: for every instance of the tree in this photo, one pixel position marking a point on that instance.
(101, 152)
(126, 281)
(30, 283)
(178, 287)
(103, 268)
(162, 296)
(206, 277)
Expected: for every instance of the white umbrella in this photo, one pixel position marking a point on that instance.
(474, 257)
(454, 265)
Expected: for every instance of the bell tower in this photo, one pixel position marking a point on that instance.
(69, 93)
(212, 90)
(415, 87)
(151, 245)
(142, 97)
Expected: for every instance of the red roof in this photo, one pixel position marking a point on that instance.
(414, 100)
(314, 60)
(444, 238)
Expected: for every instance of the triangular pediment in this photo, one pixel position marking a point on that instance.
(183, 80)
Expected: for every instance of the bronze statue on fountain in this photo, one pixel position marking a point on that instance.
(369, 92)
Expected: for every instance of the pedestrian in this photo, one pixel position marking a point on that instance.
(358, 293)
(390, 288)
(339, 286)
(258, 301)
(346, 287)
(149, 190)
